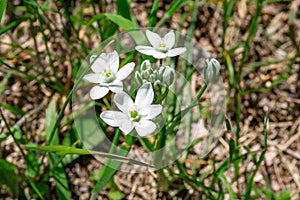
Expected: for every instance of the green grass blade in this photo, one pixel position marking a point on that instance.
(64, 150)
(8, 176)
(2, 8)
(56, 166)
(60, 178)
(13, 24)
(4, 82)
(153, 14)
(228, 9)
(174, 6)
(111, 168)
(128, 25)
(261, 158)
(12, 109)
(50, 121)
(122, 22)
(228, 186)
(123, 8)
(252, 29)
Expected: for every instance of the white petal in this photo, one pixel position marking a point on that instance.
(159, 55)
(99, 65)
(154, 39)
(169, 39)
(126, 126)
(125, 71)
(116, 86)
(150, 51)
(113, 60)
(123, 101)
(104, 56)
(145, 127)
(144, 96)
(114, 118)
(176, 51)
(151, 111)
(98, 91)
(93, 78)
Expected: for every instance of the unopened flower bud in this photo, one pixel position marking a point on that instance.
(138, 78)
(145, 65)
(157, 85)
(168, 75)
(151, 78)
(145, 74)
(211, 69)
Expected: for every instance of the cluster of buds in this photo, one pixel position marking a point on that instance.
(161, 77)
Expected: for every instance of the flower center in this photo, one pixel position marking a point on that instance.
(134, 116)
(109, 77)
(107, 72)
(162, 47)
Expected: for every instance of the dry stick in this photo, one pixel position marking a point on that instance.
(25, 117)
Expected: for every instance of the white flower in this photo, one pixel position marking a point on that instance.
(136, 114)
(161, 47)
(211, 69)
(106, 74)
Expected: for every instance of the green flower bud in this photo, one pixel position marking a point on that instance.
(138, 78)
(168, 75)
(145, 65)
(152, 78)
(145, 74)
(150, 70)
(211, 69)
(157, 85)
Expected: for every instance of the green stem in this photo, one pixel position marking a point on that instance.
(153, 14)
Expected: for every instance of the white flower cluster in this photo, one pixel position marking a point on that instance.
(108, 76)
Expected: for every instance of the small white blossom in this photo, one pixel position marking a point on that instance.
(106, 74)
(161, 47)
(136, 114)
(211, 69)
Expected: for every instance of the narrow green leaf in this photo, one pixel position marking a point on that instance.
(111, 168)
(153, 13)
(12, 109)
(4, 82)
(8, 176)
(64, 150)
(261, 158)
(60, 178)
(2, 8)
(50, 121)
(40, 6)
(231, 148)
(13, 24)
(56, 166)
(122, 22)
(174, 6)
(123, 8)
(228, 186)
(128, 25)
